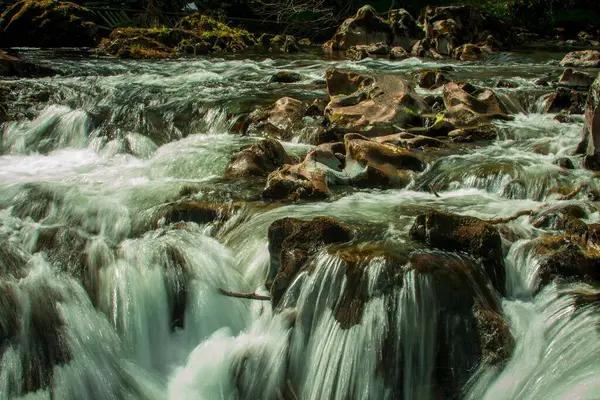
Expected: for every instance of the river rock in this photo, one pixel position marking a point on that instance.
(440, 288)
(194, 34)
(449, 27)
(574, 79)
(282, 119)
(12, 66)
(38, 23)
(360, 52)
(372, 105)
(286, 77)
(405, 30)
(292, 242)
(398, 53)
(566, 100)
(430, 79)
(565, 258)
(198, 211)
(590, 141)
(564, 217)
(310, 180)
(459, 96)
(383, 165)
(471, 52)
(582, 59)
(258, 159)
(464, 233)
(303, 181)
(364, 28)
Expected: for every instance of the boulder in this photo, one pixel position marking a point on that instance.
(590, 141)
(282, 119)
(582, 59)
(471, 52)
(447, 28)
(292, 242)
(566, 259)
(364, 28)
(564, 217)
(258, 159)
(405, 30)
(574, 79)
(194, 34)
(565, 100)
(12, 66)
(468, 107)
(446, 291)
(39, 23)
(383, 165)
(360, 52)
(467, 234)
(372, 105)
(303, 181)
(430, 79)
(398, 53)
(286, 77)
(309, 180)
(135, 47)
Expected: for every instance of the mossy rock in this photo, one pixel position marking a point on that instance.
(47, 23)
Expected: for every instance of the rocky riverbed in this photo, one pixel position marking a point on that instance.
(409, 211)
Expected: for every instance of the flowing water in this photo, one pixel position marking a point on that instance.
(100, 299)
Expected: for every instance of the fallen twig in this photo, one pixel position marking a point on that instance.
(516, 215)
(573, 193)
(433, 191)
(249, 296)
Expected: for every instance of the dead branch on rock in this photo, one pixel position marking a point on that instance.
(573, 193)
(249, 296)
(518, 214)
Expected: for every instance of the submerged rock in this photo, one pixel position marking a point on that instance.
(39, 23)
(372, 105)
(197, 211)
(285, 77)
(582, 59)
(467, 234)
(257, 160)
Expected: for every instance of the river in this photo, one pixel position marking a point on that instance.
(94, 154)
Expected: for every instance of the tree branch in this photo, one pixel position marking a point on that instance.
(249, 296)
